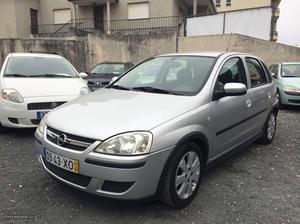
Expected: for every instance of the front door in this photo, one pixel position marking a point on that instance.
(230, 113)
(98, 17)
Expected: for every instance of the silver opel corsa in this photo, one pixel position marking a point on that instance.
(153, 130)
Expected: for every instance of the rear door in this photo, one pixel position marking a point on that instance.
(230, 113)
(261, 93)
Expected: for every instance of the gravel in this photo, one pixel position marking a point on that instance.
(259, 184)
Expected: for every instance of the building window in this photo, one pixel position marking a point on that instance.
(218, 3)
(62, 16)
(228, 2)
(138, 10)
(34, 21)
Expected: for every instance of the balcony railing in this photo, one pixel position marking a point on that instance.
(114, 26)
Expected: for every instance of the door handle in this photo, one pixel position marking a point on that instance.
(248, 103)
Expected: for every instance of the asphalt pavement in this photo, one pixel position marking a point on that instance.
(259, 184)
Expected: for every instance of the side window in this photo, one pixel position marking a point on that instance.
(233, 71)
(256, 72)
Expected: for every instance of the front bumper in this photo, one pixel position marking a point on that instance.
(288, 99)
(17, 115)
(119, 177)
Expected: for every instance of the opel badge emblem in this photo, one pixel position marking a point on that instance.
(61, 140)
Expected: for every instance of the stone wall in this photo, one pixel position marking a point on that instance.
(86, 52)
(73, 50)
(270, 52)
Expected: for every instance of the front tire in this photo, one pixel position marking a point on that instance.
(183, 176)
(269, 129)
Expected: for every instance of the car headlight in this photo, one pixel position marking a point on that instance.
(42, 125)
(84, 91)
(133, 143)
(291, 89)
(12, 95)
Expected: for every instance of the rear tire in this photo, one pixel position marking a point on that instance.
(182, 177)
(269, 129)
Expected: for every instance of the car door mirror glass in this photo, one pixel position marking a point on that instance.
(235, 89)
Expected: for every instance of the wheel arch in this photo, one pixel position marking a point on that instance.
(198, 138)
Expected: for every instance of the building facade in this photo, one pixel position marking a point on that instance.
(53, 17)
(224, 6)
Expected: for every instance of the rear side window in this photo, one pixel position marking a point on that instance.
(233, 71)
(256, 72)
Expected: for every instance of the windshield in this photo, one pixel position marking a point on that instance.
(108, 69)
(291, 70)
(24, 66)
(180, 75)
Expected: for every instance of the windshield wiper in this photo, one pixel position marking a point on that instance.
(154, 90)
(15, 75)
(118, 87)
(52, 75)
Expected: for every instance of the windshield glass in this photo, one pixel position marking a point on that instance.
(291, 70)
(24, 66)
(182, 75)
(108, 69)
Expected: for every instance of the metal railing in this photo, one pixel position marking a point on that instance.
(134, 25)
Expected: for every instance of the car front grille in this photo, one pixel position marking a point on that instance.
(68, 141)
(44, 105)
(295, 101)
(74, 178)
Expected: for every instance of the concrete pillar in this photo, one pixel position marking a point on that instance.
(195, 3)
(108, 16)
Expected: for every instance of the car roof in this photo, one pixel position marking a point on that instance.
(290, 63)
(34, 55)
(206, 54)
(113, 62)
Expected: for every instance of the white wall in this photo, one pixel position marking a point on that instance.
(254, 23)
(205, 25)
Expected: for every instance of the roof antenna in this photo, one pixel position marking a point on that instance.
(228, 42)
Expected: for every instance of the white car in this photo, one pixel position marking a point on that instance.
(33, 84)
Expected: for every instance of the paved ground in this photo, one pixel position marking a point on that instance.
(260, 184)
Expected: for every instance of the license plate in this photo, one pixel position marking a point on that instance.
(40, 115)
(61, 161)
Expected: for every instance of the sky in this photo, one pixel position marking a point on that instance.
(289, 22)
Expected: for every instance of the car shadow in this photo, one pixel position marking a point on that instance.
(288, 108)
(19, 132)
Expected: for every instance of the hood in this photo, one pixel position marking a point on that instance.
(108, 112)
(35, 87)
(291, 81)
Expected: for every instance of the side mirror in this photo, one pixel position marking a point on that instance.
(274, 75)
(83, 75)
(113, 79)
(235, 89)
